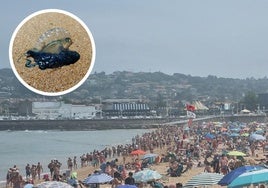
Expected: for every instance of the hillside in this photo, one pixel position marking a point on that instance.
(155, 86)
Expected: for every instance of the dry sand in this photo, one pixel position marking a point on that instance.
(162, 169)
(58, 79)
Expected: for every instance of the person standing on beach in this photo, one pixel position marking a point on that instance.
(51, 168)
(75, 163)
(33, 172)
(8, 177)
(70, 164)
(28, 171)
(224, 164)
(130, 180)
(39, 169)
(16, 180)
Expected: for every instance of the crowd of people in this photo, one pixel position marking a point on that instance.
(181, 147)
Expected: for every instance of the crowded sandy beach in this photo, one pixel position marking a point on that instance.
(174, 153)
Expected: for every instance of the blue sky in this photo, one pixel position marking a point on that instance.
(210, 37)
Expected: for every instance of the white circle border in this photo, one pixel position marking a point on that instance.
(92, 58)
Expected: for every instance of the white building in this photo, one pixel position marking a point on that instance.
(83, 112)
(60, 110)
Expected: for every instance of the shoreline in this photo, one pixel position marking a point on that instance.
(170, 135)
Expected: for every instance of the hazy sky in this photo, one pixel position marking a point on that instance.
(227, 38)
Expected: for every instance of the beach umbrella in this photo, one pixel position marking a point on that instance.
(204, 179)
(138, 152)
(98, 178)
(236, 153)
(29, 185)
(54, 184)
(248, 178)
(234, 135)
(209, 136)
(149, 155)
(256, 137)
(260, 131)
(245, 134)
(228, 178)
(235, 129)
(146, 176)
(126, 186)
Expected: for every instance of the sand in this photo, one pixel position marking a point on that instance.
(57, 79)
(163, 166)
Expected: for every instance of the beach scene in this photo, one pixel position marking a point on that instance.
(170, 156)
(134, 94)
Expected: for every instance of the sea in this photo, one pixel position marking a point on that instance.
(22, 147)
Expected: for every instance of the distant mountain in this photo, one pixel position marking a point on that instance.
(149, 86)
(9, 84)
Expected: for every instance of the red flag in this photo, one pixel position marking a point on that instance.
(190, 107)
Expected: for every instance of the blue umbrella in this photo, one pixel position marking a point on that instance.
(209, 136)
(235, 129)
(256, 137)
(98, 178)
(234, 135)
(248, 178)
(228, 178)
(149, 155)
(29, 185)
(126, 186)
(259, 132)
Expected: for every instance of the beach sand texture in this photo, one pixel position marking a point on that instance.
(57, 79)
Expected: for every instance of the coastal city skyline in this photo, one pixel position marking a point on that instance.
(223, 38)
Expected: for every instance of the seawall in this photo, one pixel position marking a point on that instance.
(66, 125)
(102, 124)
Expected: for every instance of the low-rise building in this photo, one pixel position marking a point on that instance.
(60, 110)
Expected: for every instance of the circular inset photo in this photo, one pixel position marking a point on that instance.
(52, 52)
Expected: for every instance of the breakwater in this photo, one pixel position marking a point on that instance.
(104, 124)
(70, 125)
